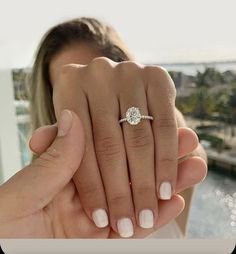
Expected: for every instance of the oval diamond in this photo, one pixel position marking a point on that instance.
(133, 116)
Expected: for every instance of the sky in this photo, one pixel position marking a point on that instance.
(156, 31)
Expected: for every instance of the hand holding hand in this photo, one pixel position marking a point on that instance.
(145, 155)
(41, 201)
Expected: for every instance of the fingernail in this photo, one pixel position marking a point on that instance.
(165, 191)
(146, 219)
(125, 227)
(65, 123)
(100, 218)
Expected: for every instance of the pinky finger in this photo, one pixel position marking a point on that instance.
(190, 172)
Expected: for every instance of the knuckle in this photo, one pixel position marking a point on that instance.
(128, 68)
(168, 161)
(140, 138)
(99, 115)
(92, 190)
(119, 199)
(164, 122)
(101, 62)
(156, 70)
(53, 158)
(50, 157)
(146, 190)
(130, 65)
(68, 70)
(101, 69)
(108, 149)
(159, 77)
(69, 73)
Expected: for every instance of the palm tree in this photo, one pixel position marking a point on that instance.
(209, 77)
(202, 103)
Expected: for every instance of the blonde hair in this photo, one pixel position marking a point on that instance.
(100, 36)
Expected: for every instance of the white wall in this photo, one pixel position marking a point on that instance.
(9, 144)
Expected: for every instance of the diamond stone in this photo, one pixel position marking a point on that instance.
(133, 116)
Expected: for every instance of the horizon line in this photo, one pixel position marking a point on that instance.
(196, 63)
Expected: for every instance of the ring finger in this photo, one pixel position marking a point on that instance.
(139, 148)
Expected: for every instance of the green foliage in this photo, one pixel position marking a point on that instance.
(208, 78)
(215, 141)
(19, 79)
(232, 99)
(202, 103)
(226, 104)
(184, 106)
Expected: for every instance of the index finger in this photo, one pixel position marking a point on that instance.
(69, 93)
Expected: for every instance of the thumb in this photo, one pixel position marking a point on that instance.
(35, 186)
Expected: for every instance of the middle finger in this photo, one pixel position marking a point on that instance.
(110, 150)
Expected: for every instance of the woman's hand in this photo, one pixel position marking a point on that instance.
(145, 154)
(41, 201)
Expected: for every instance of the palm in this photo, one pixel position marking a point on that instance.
(64, 217)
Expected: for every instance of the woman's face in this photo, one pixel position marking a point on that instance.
(80, 53)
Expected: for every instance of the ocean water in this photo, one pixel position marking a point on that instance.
(191, 69)
(213, 210)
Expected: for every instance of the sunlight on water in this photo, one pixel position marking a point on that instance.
(213, 210)
(229, 202)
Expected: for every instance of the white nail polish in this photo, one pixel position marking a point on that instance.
(100, 218)
(146, 219)
(125, 227)
(165, 191)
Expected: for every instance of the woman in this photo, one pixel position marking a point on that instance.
(66, 72)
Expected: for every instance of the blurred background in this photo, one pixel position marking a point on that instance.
(194, 40)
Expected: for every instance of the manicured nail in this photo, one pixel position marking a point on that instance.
(146, 219)
(125, 227)
(100, 218)
(65, 123)
(165, 191)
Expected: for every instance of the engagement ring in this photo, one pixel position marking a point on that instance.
(133, 116)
